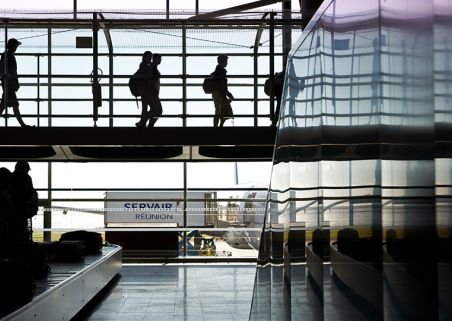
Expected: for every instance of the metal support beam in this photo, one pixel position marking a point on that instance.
(49, 76)
(110, 68)
(308, 9)
(48, 204)
(38, 88)
(95, 63)
(184, 76)
(256, 46)
(75, 9)
(236, 9)
(272, 64)
(286, 29)
(167, 9)
(185, 209)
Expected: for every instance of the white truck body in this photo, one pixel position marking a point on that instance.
(157, 207)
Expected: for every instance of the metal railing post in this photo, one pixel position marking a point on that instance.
(185, 210)
(95, 64)
(184, 76)
(5, 68)
(49, 77)
(47, 224)
(38, 93)
(255, 83)
(272, 64)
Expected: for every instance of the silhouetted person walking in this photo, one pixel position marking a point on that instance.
(24, 198)
(221, 93)
(144, 74)
(10, 80)
(155, 104)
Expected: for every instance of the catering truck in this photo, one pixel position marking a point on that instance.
(159, 208)
(145, 223)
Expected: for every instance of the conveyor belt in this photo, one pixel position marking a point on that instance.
(69, 286)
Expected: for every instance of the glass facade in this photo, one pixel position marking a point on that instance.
(56, 76)
(215, 209)
(358, 221)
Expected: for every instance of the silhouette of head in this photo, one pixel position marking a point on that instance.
(5, 178)
(156, 59)
(222, 60)
(22, 166)
(13, 43)
(147, 57)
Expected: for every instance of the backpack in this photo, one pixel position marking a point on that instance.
(209, 85)
(278, 82)
(134, 85)
(267, 87)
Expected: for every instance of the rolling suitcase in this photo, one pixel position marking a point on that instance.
(93, 240)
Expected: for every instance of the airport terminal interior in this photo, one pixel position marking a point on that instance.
(287, 160)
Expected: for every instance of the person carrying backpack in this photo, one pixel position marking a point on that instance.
(10, 80)
(221, 96)
(140, 85)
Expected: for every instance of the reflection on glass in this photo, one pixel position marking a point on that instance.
(358, 225)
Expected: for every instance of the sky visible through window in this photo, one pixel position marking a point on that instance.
(143, 175)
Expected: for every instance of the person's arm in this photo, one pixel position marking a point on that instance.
(229, 95)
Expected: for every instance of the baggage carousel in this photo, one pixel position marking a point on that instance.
(69, 286)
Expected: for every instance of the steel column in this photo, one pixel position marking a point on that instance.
(272, 64)
(95, 63)
(185, 209)
(38, 93)
(5, 68)
(49, 76)
(184, 76)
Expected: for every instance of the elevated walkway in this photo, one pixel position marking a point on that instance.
(137, 144)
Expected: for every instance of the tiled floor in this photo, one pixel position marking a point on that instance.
(203, 292)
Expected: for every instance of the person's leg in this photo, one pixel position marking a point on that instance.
(217, 102)
(155, 111)
(222, 111)
(13, 98)
(2, 105)
(144, 109)
(2, 102)
(276, 115)
(19, 116)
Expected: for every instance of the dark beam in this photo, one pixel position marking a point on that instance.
(128, 136)
(236, 9)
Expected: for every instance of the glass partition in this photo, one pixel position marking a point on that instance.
(215, 209)
(357, 224)
(56, 74)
